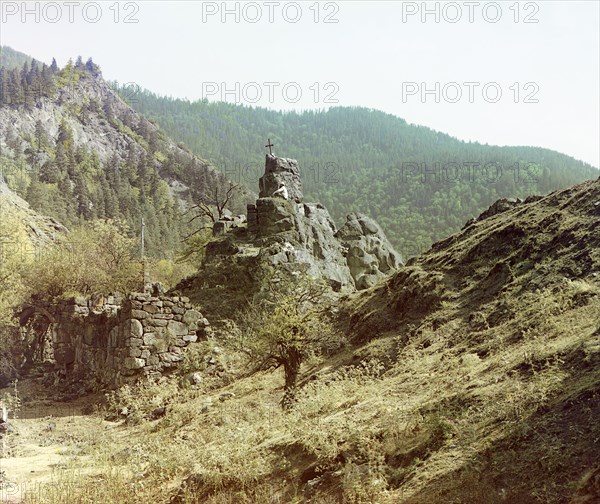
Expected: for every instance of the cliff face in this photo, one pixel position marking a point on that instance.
(40, 229)
(290, 235)
(100, 121)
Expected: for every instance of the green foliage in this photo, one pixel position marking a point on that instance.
(70, 183)
(96, 258)
(168, 272)
(193, 248)
(357, 159)
(25, 83)
(9, 58)
(286, 328)
(140, 400)
(15, 257)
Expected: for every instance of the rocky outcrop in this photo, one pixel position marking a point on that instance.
(281, 171)
(301, 237)
(295, 236)
(40, 229)
(118, 135)
(370, 256)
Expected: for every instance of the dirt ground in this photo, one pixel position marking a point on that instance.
(50, 442)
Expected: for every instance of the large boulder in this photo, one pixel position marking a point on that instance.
(274, 216)
(281, 170)
(370, 256)
(301, 238)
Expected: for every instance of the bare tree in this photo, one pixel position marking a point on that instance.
(212, 208)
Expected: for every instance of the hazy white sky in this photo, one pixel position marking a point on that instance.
(543, 57)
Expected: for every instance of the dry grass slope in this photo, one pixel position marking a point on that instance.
(473, 376)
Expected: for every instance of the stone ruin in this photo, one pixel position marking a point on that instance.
(302, 237)
(120, 340)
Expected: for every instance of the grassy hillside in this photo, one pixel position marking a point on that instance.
(419, 184)
(471, 376)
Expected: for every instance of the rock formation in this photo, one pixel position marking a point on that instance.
(281, 171)
(370, 255)
(302, 237)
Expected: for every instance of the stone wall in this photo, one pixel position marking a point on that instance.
(119, 340)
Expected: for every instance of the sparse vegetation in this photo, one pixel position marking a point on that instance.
(472, 375)
(287, 328)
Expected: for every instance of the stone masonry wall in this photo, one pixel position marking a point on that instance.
(119, 340)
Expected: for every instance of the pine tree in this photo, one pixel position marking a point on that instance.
(92, 68)
(65, 135)
(60, 160)
(16, 91)
(41, 137)
(50, 172)
(82, 198)
(4, 88)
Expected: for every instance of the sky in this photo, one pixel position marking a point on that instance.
(502, 73)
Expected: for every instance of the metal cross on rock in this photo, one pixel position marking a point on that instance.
(270, 146)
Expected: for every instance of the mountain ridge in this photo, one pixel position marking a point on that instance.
(76, 151)
(419, 184)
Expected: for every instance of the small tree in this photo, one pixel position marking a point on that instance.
(208, 211)
(16, 252)
(213, 207)
(288, 326)
(98, 258)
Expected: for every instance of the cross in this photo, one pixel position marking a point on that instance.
(270, 145)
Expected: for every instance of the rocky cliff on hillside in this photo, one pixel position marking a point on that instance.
(288, 234)
(40, 229)
(104, 124)
(281, 171)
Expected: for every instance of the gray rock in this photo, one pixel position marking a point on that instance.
(226, 395)
(370, 256)
(135, 352)
(153, 360)
(221, 227)
(136, 330)
(194, 378)
(281, 170)
(159, 322)
(149, 338)
(177, 328)
(135, 342)
(191, 317)
(134, 363)
(275, 215)
(151, 308)
(170, 357)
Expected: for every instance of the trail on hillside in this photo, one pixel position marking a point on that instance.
(49, 443)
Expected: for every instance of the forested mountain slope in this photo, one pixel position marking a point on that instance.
(9, 58)
(77, 152)
(419, 184)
